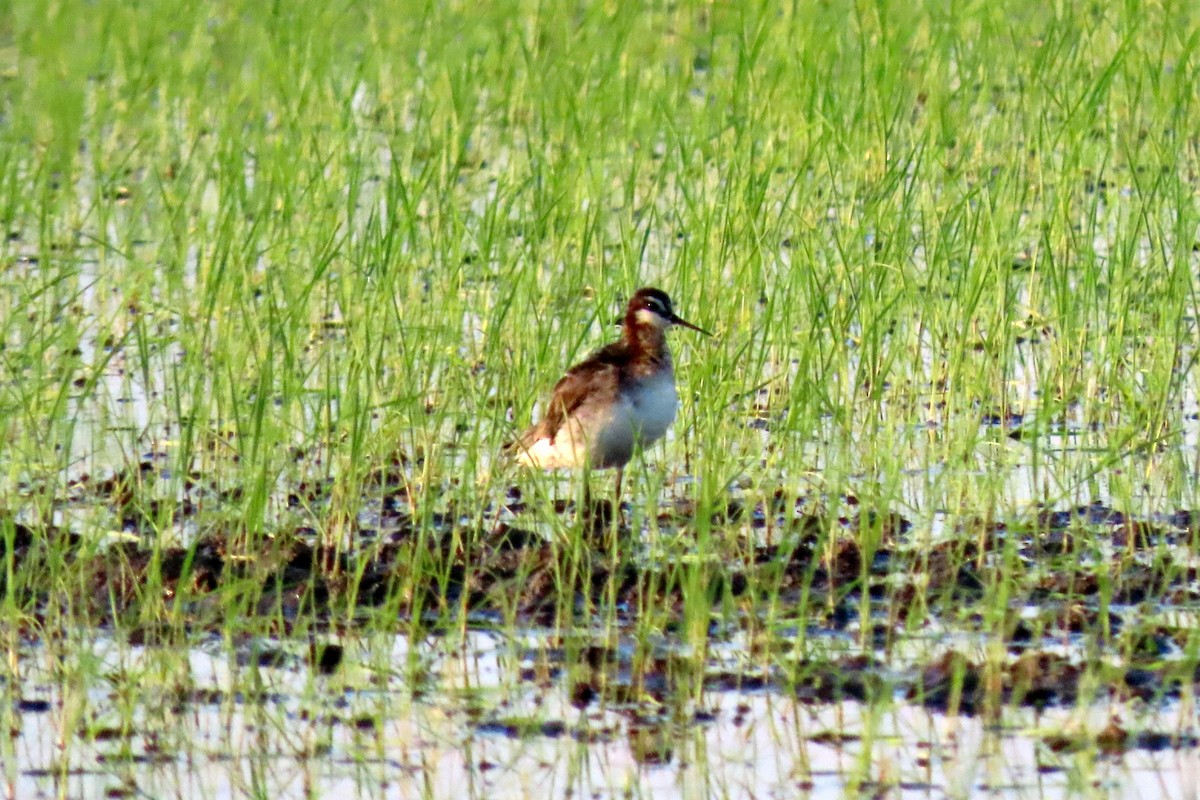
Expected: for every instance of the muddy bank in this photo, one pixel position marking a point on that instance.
(1080, 576)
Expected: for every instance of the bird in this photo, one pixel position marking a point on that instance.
(619, 398)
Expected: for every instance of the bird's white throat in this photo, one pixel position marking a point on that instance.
(647, 317)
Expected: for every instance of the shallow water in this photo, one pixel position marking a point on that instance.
(480, 722)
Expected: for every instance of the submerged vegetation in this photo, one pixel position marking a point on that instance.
(280, 279)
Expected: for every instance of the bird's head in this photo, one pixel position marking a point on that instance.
(652, 307)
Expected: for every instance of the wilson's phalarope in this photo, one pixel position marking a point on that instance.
(620, 397)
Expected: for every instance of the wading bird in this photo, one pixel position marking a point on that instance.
(619, 398)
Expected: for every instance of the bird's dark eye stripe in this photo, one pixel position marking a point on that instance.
(656, 304)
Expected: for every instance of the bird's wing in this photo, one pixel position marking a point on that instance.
(596, 379)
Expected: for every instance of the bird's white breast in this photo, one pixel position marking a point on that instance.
(652, 407)
(604, 434)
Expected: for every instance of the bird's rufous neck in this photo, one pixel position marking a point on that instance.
(646, 339)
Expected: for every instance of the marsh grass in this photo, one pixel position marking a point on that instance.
(308, 260)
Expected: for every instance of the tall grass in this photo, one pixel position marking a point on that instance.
(283, 246)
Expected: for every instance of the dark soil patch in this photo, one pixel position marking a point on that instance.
(864, 574)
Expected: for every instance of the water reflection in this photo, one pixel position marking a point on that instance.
(470, 725)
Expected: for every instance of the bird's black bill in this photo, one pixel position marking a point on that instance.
(678, 320)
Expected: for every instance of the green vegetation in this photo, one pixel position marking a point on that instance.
(281, 273)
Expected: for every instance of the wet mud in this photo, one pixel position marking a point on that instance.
(1084, 576)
